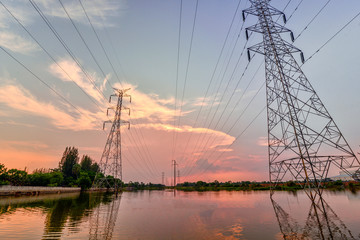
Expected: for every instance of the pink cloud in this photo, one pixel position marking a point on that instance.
(72, 72)
(262, 141)
(21, 99)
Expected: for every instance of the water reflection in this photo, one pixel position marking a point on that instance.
(102, 222)
(157, 215)
(321, 222)
(66, 212)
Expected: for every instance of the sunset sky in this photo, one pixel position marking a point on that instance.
(55, 104)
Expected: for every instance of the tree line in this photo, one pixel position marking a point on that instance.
(70, 173)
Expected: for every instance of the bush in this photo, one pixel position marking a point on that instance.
(38, 179)
(84, 181)
(56, 178)
(17, 177)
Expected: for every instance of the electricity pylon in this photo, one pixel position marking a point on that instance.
(303, 140)
(111, 161)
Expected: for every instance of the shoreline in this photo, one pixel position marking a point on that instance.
(7, 190)
(34, 190)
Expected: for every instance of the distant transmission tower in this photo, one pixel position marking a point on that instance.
(111, 162)
(303, 140)
(178, 176)
(163, 178)
(174, 165)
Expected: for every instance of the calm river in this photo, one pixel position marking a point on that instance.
(184, 215)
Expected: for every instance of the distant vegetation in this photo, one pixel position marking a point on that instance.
(133, 186)
(70, 173)
(247, 185)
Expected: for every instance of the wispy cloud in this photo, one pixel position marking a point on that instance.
(262, 141)
(202, 101)
(23, 144)
(219, 138)
(21, 99)
(98, 11)
(147, 107)
(18, 9)
(16, 43)
(91, 149)
(169, 101)
(70, 71)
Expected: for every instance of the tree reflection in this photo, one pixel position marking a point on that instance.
(69, 211)
(321, 223)
(72, 212)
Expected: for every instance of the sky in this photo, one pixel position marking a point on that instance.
(195, 97)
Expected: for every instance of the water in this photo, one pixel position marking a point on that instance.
(186, 215)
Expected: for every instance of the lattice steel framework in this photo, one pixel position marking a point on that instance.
(303, 140)
(321, 222)
(111, 161)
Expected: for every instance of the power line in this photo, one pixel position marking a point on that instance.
(52, 59)
(215, 68)
(146, 151)
(50, 56)
(177, 76)
(235, 106)
(332, 37)
(101, 44)
(237, 120)
(97, 36)
(187, 70)
(43, 82)
(201, 137)
(243, 73)
(246, 128)
(47, 22)
(83, 40)
(74, 58)
(312, 20)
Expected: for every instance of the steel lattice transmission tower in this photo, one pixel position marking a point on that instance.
(111, 161)
(304, 142)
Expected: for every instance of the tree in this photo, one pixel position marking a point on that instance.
(39, 179)
(3, 174)
(95, 167)
(56, 178)
(69, 159)
(17, 177)
(86, 163)
(84, 180)
(76, 170)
